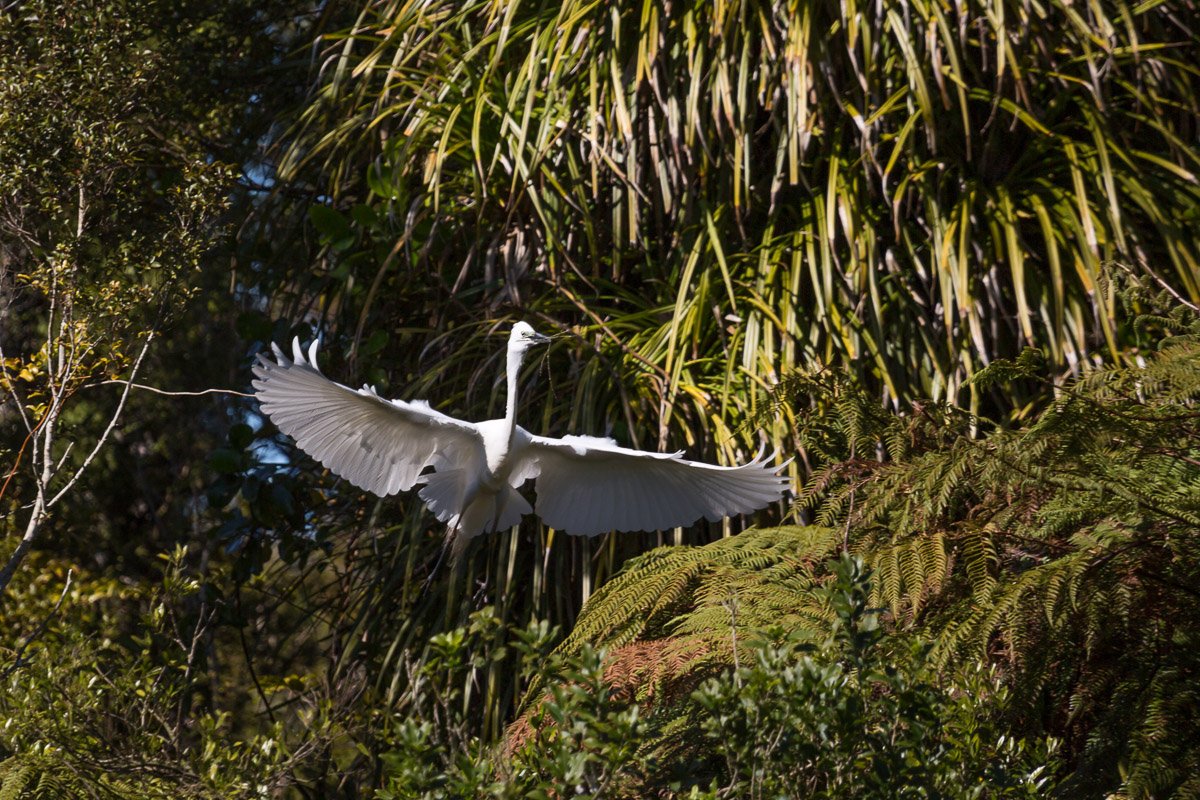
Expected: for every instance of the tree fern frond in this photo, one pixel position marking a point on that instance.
(696, 593)
(1070, 552)
(16, 775)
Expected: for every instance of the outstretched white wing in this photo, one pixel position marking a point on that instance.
(587, 486)
(376, 444)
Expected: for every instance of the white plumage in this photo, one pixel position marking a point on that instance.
(585, 485)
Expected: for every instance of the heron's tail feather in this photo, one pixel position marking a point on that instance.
(445, 493)
(489, 512)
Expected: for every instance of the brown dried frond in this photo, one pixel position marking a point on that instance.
(652, 672)
(659, 670)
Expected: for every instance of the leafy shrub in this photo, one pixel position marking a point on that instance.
(854, 716)
(106, 695)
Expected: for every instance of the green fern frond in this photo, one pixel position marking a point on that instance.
(1069, 550)
(675, 615)
(16, 775)
(655, 593)
(907, 572)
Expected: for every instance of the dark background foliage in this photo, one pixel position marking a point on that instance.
(945, 256)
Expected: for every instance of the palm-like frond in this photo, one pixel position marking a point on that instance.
(912, 189)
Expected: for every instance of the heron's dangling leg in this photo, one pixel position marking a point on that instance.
(456, 543)
(451, 535)
(501, 502)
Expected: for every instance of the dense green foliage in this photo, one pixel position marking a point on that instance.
(843, 718)
(1065, 551)
(847, 721)
(944, 255)
(109, 700)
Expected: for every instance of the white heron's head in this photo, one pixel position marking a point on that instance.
(523, 337)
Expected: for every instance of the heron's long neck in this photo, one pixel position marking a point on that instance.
(510, 412)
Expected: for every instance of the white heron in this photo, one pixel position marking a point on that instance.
(585, 485)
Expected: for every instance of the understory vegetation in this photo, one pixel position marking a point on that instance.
(943, 257)
(1009, 613)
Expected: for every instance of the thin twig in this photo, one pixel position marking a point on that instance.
(12, 390)
(21, 452)
(112, 423)
(165, 392)
(63, 458)
(237, 597)
(1162, 283)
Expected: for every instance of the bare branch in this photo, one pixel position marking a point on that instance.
(63, 458)
(41, 481)
(165, 392)
(31, 529)
(112, 423)
(12, 390)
